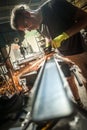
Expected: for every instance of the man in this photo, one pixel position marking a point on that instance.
(58, 20)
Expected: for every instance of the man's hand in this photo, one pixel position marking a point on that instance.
(56, 42)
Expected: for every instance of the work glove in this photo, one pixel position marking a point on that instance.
(56, 42)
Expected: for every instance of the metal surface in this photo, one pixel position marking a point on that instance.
(50, 101)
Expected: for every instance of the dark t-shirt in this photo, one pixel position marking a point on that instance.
(59, 16)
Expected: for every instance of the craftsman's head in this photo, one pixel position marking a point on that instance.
(23, 18)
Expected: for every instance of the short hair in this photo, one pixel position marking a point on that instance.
(16, 13)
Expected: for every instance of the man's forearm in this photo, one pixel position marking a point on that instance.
(80, 23)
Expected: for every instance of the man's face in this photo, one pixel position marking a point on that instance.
(27, 23)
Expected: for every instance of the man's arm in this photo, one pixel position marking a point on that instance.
(80, 22)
